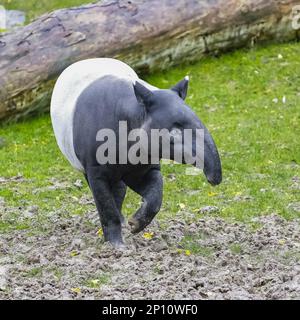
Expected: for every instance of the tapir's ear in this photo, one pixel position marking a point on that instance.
(181, 88)
(142, 93)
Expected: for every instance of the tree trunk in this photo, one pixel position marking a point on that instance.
(148, 35)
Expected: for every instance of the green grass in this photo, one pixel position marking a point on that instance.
(258, 140)
(35, 272)
(35, 8)
(236, 248)
(190, 243)
(98, 281)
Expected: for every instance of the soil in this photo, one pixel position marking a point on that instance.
(192, 256)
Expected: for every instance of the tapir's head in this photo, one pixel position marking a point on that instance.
(166, 109)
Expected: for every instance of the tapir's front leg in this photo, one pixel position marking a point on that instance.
(150, 187)
(109, 213)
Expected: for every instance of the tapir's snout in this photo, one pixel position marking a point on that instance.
(212, 163)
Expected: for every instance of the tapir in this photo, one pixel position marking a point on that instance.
(98, 93)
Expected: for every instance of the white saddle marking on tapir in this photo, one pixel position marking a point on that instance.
(69, 86)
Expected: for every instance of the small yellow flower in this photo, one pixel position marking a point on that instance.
(100, 233)
(281, 241)
(182, 206)
(74, 253)
(239, 193)
(76, 290)
(95, 282)
(148, 235)
(212, 194)
(188, 252)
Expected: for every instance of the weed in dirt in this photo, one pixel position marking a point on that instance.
(190, 245)
(98, 281)
(236, 248)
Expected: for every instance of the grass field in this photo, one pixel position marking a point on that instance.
(249, 100)
(35, 8)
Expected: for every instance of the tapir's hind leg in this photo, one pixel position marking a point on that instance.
(150, 187)
(110, 215)
(119, 192)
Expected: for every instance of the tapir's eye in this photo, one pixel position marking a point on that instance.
(175, 132)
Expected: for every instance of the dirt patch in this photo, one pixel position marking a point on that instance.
(188, 257)
(19, 178)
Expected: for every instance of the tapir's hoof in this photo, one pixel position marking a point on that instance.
(135, 225)
(120, 246)
(115, 241)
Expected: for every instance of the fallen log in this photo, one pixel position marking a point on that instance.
(148, 35)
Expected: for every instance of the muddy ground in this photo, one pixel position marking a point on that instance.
(193, 256)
